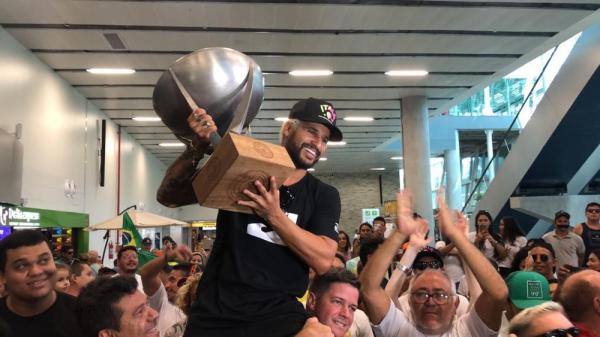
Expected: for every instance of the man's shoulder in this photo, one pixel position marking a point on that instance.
(66, 299)
(320, 186)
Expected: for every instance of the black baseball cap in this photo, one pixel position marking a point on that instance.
(317, 111)
(430, 252)
(562, 213)
(146, 241)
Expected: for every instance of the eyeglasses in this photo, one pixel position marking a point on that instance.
(438, 297)
(540, 257)
(288, 197)
(572, 332)
(594, 210)
(422, 265)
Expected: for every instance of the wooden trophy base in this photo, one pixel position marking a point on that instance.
(235, 165)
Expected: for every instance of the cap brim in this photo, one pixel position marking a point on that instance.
(334, 133)
(524, 304)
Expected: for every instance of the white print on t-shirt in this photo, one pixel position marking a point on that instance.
(261, 231)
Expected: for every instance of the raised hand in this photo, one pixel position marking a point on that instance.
(462, 223)
(417, 239)
(180, 253)
(406, 224)
(445, 221)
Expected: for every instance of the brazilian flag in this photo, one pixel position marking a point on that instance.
(131, 237)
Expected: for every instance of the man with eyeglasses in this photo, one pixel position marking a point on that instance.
(427, 258)
(259, 262)
(433, 302)
(545, 320)
(590, 229)
(580, 296)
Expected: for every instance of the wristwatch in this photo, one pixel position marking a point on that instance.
(406, 270)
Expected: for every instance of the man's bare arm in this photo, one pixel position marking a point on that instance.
(176, 187)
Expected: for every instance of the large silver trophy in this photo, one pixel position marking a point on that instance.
(223, 81)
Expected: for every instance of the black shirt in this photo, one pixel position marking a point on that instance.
(58, 321)
(251, 274)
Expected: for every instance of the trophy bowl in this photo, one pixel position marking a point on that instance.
(217, 79)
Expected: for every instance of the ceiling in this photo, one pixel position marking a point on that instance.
(463, 44)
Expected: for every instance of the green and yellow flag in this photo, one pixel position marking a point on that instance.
(131, 237)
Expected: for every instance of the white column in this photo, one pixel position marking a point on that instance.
(415, 143)
(453, 175)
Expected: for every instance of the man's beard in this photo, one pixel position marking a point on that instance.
(295, 155)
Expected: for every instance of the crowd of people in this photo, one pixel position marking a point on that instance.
(287, 270)
(403, 287)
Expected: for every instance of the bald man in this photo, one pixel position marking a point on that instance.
(580, 296)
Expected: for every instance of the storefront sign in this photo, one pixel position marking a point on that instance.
(15, 216)
(205, 225)
(34, 217)
(368, 214)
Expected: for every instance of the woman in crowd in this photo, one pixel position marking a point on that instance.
(520, 260)
(344, 245)
(488, 242)
(593, 261)
(365, 231)
(513, 240)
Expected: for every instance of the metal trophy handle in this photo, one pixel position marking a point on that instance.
(223, 81)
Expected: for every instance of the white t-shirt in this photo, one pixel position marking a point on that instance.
(512, 250)
(488, 249)
(395, 324)
(361, 327)
(463, 306)
(138, 278)
(452, 265)
(171, 320)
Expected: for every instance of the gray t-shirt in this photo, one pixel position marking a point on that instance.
(567, 249)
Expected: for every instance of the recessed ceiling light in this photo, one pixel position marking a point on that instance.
(359, 119)
(407, 72)
(336, 143)
(378, 169)
(311, 170)
(314, 72)
(396, 158)
(146, 119)
(281, 119)
(111, 71)
(323, 159)
(171, 144)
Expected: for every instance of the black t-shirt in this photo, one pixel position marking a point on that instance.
(58, 321)
(251, 274)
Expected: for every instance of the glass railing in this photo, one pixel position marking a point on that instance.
(516, 95)
(507, 96)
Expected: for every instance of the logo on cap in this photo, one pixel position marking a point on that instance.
(329, 112)
(534, 290)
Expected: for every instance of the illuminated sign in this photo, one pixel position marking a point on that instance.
(15, 216)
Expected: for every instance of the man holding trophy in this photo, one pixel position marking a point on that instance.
(259, 262)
